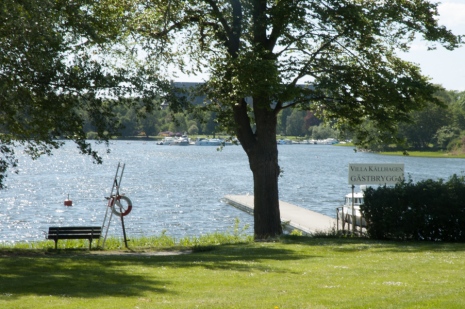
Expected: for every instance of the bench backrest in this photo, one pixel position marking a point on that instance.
(91, 231)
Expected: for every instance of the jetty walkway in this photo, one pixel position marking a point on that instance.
(294, 217)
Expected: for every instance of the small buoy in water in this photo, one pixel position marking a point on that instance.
(68, 202)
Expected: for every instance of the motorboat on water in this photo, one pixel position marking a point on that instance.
(181, 141)
(168, 140)
(350, 212)
(209, 142)
(284, 142)
(328, 141)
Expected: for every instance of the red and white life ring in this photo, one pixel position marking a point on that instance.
(117, 206)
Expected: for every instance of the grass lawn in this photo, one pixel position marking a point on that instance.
(295, 272)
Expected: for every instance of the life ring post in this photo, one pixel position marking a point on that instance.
(118, 205)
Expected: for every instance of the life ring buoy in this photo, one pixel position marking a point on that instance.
(117, 207)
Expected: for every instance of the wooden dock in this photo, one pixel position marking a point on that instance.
(294, 217)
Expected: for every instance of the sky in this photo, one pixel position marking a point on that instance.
(443, 67)
(446, 68)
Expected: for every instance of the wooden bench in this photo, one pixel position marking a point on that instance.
(74, 232)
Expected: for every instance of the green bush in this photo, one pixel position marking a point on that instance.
(428, 210)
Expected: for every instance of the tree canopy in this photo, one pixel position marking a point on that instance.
(53, 76)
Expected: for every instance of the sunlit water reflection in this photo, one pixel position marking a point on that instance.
(178, 189)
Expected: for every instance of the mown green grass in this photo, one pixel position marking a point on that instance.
(293, 272)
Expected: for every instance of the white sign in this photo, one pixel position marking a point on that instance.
(375, 174)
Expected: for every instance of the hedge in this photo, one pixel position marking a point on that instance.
(428, 210)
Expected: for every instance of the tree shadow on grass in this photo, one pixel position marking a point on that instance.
(78, 276)
(356, 244)
(83, 275)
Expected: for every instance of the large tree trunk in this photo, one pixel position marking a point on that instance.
(262, 151)
(265, 169)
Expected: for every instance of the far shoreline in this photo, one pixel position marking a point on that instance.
(425, 154)
(413, 153)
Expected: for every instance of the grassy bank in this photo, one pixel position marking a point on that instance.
(295, 272)
(426, 154)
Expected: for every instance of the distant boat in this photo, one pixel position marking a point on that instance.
(328, 141)
(233, 141)
(181, 141)
(209, 142)
(284, 142)
(166, 141)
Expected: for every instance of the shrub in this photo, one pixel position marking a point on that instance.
(428, 210)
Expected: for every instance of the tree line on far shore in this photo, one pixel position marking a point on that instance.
(435, 127)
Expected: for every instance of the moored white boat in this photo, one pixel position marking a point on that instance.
(350, 210)
(181, 141)
(209, 142)
(328, 141)
(166, 141)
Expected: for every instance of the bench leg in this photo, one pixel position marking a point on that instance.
(56, 244)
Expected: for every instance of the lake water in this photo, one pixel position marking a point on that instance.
(178, 189)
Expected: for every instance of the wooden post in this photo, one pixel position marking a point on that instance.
(353, 211)
(124, 233)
